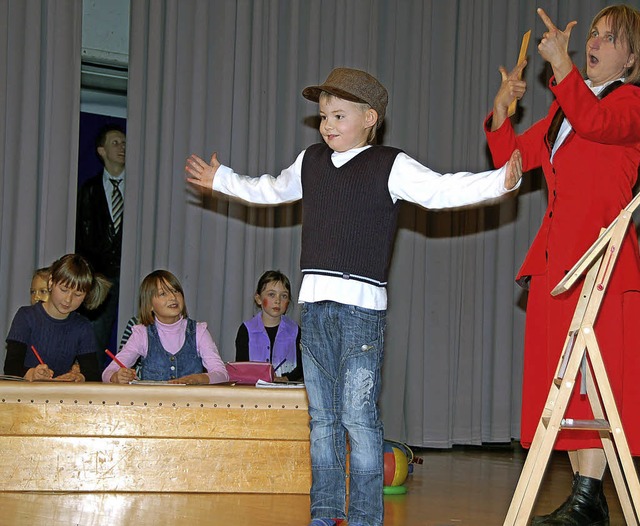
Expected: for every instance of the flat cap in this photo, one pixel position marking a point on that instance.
(353, 85)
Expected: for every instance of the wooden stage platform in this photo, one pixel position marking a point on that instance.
(457, 487)
(94, 454)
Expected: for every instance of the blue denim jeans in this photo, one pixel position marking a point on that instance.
(342, 350)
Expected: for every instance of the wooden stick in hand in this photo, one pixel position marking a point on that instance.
(521, 58)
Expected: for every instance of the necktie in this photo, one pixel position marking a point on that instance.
(117, 204)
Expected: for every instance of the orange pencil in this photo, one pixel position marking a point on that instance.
(37, 355)
(113, 357)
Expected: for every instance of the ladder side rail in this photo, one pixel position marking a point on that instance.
(544, 439)
(615, 422)
(610, 452)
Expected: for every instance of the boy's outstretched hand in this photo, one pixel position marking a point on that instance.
(514, 170)
(200, 172)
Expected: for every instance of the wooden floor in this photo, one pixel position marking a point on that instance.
(463, 486)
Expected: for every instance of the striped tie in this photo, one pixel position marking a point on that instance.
(117, 203)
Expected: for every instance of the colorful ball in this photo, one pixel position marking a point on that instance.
(396, 465)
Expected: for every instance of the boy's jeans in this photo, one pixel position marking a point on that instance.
(342, 349)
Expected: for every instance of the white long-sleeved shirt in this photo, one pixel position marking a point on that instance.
(409, 180)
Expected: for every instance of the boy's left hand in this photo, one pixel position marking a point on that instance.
(200, 172)
(513, 170)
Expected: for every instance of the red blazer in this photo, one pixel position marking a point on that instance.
(591, 178)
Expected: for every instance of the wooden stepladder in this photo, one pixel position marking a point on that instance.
(581, 351)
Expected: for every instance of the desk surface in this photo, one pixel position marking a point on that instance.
(206, 396)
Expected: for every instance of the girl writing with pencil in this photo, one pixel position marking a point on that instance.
(45, 339)
(270, 336)
(169, 345)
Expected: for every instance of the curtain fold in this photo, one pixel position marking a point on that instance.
(40, 54)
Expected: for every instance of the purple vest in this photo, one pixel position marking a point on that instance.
(284, 345)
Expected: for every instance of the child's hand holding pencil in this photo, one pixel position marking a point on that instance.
(40, 372)
(123, 375)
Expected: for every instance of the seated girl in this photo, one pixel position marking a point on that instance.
(46, 338)
(270, 336)
(170, 346)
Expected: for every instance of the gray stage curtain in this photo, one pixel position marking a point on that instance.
(40, 52)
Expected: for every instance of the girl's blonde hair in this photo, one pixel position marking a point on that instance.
(75, 272)
(625, 26)
(149, 289)
(43, 273)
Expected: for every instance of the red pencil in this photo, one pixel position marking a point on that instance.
(113, 357)
(37, 355)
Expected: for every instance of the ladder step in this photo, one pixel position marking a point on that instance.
(599, 424)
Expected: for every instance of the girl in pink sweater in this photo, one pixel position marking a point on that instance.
(168, 344)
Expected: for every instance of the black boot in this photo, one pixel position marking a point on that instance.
(586, 506)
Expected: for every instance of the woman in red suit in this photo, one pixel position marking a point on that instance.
(590, 155)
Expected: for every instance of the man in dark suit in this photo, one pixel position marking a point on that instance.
(99, 226)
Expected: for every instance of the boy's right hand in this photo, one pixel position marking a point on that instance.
(200, 173)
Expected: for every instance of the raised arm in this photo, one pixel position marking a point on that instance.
(511, 88)
(554, 47)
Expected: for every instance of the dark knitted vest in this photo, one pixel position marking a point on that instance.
(349, 220)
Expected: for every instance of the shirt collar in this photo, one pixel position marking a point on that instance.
(108, 185)
(597, 89)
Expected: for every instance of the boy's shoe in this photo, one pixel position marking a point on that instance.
(326, 522)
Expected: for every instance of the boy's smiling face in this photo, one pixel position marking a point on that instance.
(344, 125)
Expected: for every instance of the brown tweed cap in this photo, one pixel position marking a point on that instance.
(353, 85)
